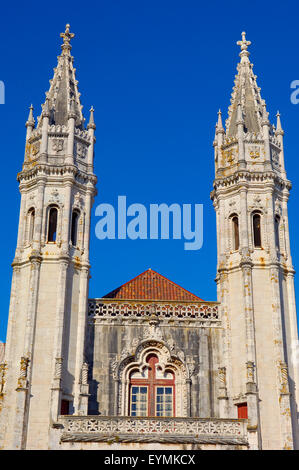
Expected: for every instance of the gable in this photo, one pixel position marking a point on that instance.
(151, 285)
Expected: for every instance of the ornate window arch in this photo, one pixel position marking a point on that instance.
(154, 368)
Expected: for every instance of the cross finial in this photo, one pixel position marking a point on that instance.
(67, 36)
(244, 45)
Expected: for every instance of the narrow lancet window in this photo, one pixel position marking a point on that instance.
(257, 238)
(277, 226)
(236, 240)
(74, 228)
(31, 220)
(52, 225)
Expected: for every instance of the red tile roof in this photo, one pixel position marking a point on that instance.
(151, 285)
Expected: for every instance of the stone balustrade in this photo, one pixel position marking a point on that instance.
(201, 311)
(140, 429)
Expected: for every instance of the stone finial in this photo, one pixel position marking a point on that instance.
(219, 123)
(30, 121)
(279, 130)
(46, 109)
(91, 124)
(244, 45)
(67, 36)
(219, 128)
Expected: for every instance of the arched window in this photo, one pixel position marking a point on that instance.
(235, 224)
(152, 392)
(277, 226)
(31, 220)
(74, 228)
(52, 224)
(256, 222)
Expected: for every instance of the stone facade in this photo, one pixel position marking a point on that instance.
(70, 364)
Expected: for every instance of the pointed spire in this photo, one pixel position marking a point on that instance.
(246, 98)
(91, 124)
(30, 121)
(279, 130)
(219, 125)
(63, 95)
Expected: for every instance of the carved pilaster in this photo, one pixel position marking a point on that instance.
(22, 379)
(3, 368)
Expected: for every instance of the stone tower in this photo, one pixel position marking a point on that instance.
(255, 275)
(44, 369)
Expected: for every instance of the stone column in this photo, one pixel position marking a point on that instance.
(22, 223)
(39, 214)
(277, 313)
(81, 389)
(266, 130)
(251, 385)
(222, 393)
(24, 381)
(71, 134)
(58, 345)
(243, 225)
(83, 308)
(45, 127)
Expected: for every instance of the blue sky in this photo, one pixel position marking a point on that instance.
(156, 72)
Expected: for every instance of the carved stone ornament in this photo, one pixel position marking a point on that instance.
(275, 158)
(278, 207)
(257, 201)
(250, 372)
(254, 152)
(58, 368)
(78, 201)
(284, 378)
(229, 156)
(22, 380)
(57, 145)
(222, 376)
(35, 148)
(81, 150)
(54, 196)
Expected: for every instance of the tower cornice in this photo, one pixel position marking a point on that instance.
(244, 178)
(41, 171)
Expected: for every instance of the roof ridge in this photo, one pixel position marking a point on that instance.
(175, 284)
